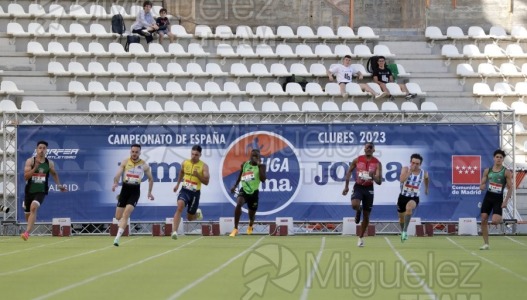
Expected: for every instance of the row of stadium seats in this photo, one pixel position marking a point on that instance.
(496, 32)
(485, 70)
(7, 105)
(261, 51)
(490, 51)
(500, 89)
(252, 89)
(75, 11)
(192, 69)
(35, 30)
(190, 106)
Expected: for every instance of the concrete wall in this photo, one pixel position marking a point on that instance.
(408, 14)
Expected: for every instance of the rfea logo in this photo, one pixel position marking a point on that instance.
(282, 168)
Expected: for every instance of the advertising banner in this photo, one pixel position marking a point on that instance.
(306, 166)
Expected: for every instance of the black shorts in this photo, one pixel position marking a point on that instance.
(191, 199)
(250, 199)
(492, 203)
(129, 195)
(364, 194)
(403, 200)
(30, 197)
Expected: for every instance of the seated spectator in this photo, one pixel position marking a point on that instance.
(164, 26)
(144, 23)
(382, 75)
(344, 73)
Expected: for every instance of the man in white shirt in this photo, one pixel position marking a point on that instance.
(145, 24)
(344, 73)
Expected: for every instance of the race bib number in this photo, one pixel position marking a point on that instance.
(39, 178)
(364, 175)
(132, 178)
(495, 187)
(410, 189)
(247, 176)
(190, 185)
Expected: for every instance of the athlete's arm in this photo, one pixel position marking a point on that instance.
(180, 177)
(426, 181)
(377, 178)
(148, 172)
(29, 169)
(484, 179)
(55, 175)
(205, 176)
(263, 175)
(405, 173)
(508, 178)
(118, 175)
(352, 167)
(233, 189)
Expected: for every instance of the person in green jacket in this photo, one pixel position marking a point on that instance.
(252, 172)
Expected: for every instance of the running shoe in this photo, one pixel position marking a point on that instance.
(249, 230)
(360, 242)
(25, 236)
(234, 232)
(484, 247)
(116, 242)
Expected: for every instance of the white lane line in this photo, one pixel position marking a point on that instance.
(309, 280)
(99, 276)
(204, 277)
(519, 276)
(422, 282)
(62, 259)
(516, 241)
(35, 247)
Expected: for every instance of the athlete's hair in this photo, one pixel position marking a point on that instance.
(370, 143)
(43, 143)
(136, 145)
(499, 151)
(196, 148)
(417, 156)
(347, 56)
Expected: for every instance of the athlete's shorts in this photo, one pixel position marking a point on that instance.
(191, 199)
(163, 31)
(403, 200)
(129, 195)
(30, 197)
(492, 203)
(250, 199)
(364, 194)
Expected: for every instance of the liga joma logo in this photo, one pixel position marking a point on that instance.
(282, 167)
(466, 169)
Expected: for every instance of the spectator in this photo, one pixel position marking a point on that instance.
(382, 75)
(164, 26)
(344, 73)
(144, 23)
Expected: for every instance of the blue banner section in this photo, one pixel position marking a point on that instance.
(306, 166)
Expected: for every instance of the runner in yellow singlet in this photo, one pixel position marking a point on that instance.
(192, 175)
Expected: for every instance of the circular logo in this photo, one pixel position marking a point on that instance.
(282, 169)
(276, 263)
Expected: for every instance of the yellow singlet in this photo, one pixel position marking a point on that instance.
(191, 182)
